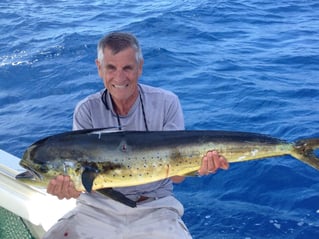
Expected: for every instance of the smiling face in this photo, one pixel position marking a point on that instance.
(120, 73)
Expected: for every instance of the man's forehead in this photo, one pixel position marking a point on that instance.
(110, 51)
(127, 55)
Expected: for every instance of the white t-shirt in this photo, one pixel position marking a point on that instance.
(162, 111)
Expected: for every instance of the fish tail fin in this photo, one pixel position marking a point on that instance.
(304, 150)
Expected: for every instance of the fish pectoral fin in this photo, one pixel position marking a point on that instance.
(117, 196)
(88, 177)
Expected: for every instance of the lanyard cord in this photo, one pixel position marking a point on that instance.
(118, 121)
(144, 116)
(104, 100)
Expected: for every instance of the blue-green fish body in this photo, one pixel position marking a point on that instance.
(96, 159)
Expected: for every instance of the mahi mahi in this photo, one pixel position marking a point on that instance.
(96, 159)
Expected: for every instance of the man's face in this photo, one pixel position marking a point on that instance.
(120, 73)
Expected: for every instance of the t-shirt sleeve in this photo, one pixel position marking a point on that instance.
(174, 118)
(81, 117)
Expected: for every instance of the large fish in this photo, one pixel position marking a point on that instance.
(96, 159)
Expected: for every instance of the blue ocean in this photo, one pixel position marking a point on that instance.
(244, 65)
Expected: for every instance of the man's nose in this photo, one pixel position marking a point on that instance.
(120, 75)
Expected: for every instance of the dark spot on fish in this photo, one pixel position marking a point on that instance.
(107, 166)
(177, 157)
(78, 168)
(124, 147)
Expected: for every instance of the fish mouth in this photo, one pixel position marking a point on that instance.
(29, 175)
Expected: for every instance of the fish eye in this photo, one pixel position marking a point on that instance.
(43, 168)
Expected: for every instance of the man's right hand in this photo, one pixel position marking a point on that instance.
(62, 187)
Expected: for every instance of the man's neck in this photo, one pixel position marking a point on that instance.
(123, 107)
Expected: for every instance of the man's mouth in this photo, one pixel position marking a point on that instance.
(120, 86)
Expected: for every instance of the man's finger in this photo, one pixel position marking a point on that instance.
(203, 169)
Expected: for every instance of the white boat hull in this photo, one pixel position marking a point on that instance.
(39, 209)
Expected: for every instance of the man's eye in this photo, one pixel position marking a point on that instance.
(110, 68)
(128, 68)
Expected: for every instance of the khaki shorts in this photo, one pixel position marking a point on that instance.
(155, 219)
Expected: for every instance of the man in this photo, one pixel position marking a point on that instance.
(126, 105)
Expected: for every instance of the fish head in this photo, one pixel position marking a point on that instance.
(41, 166)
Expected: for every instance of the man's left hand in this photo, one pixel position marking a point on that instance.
(211, 162)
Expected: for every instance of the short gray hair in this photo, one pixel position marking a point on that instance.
(118, 41)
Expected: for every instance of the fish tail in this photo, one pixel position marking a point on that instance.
(304, 150)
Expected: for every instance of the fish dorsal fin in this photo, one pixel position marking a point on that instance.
(88, 176)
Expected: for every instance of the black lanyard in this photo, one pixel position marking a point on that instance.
(104, 100)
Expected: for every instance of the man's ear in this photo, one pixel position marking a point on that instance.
(99, 67)
(140, 67)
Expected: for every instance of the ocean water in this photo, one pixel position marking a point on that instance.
(247, 65)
